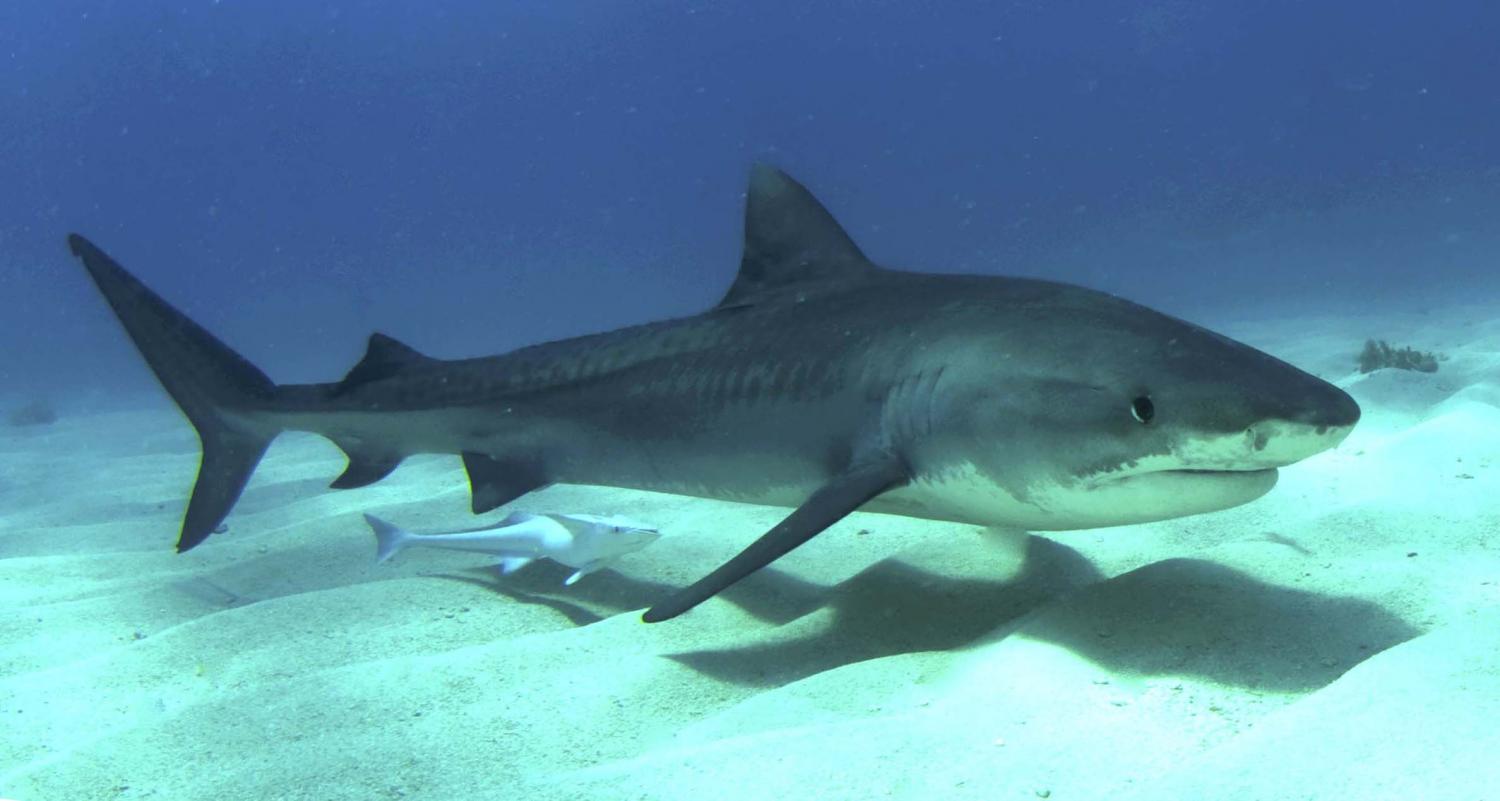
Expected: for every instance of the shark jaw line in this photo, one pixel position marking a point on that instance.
(1193, 476)
(1176, 468)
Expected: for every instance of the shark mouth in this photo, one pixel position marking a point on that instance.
(1256, 474)
(1135, 472)
(1223, 471)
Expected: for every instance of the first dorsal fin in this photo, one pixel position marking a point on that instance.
(384, 357)
(790, 241)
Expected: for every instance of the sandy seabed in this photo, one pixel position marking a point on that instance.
(1337, 639)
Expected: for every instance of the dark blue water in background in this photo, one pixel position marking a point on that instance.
(473, 176)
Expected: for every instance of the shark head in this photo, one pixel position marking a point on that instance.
(1161, 419)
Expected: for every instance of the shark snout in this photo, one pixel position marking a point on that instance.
(1313, 428)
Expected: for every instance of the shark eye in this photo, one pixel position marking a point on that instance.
(1142, 409)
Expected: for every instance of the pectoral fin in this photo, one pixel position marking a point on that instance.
(827, 506)
(584, 570)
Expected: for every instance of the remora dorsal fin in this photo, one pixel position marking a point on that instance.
(384, 357)
(790, 239)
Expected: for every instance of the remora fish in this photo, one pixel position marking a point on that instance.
(587, 542)
(820, 382)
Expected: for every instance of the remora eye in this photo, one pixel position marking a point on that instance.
(1142, 409)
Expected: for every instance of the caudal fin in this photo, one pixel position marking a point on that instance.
(214, 386)
(389, 538)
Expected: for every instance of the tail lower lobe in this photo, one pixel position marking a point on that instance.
(214, 386)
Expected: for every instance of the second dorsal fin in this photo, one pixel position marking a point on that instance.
(384, 357)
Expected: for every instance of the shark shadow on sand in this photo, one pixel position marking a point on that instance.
(1176, 617)
(890, 608)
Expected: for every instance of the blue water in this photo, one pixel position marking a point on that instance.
(472, 176)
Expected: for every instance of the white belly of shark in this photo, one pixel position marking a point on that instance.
(964, 494)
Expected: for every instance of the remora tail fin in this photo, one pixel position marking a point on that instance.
(207, 379)
(389, 538)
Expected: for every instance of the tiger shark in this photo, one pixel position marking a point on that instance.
(821, 382)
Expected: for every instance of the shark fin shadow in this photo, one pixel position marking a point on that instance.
(1175, 617)
(891, 608)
